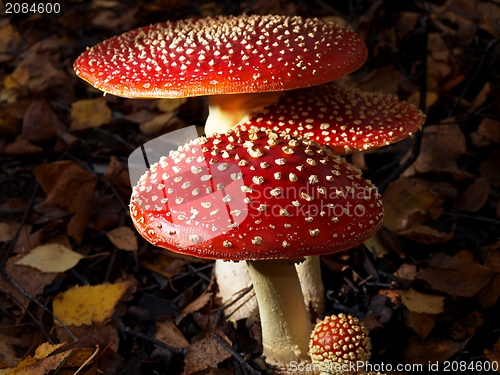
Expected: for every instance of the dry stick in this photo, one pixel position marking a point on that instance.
(124, 329)
(423, 99)
(12, 281)
(230, 350)
(488, 48)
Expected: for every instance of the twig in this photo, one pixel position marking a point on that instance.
(230, 350)
(9, 251)
(124, 329)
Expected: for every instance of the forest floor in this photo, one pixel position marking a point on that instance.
(426, 286)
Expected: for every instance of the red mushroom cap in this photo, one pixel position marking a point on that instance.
(221, 55)
(254, 194)
(339, 340)
(347, 120)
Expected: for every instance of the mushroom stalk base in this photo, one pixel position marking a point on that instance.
(286, 328)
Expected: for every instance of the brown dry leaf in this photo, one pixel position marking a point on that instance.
(88, 304)
(40, 123)
(426, 235)
(487, 132)
(404, 199)
(475, 196)
(494, 355)
(170, 105)
(31, 280)
(123, 238)
(421, 324)
(385, 80)
(68, 186)
(20, 147)
(51, 258)
(8, 355)
(425, 351)
(156, 124)
(168, 333)
(36, 72)
(441, 146)
(89, 113)
(463, 328)
(166, 264)
(197, 304)
(406, 272)
(9, 42)
(205, 352)
(460, 275)
(422, 302)
(490, 168)
(106, 335)
(7, 230)
(489, 295)
(108, 19)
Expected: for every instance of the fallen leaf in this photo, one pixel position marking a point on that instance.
(68, 186)
(20, 147)
(40, 123)
(89, 113)
(460, 275)
(30, 280)
(475, 196)
(123, 238)
(197, 304)
(403, 199)
(88, 304)
(421, 323)
(156, 124)
(426, 235)
(8, 355)
(205, 352)
(429, 350)
(422, 302)
(494, 355)
(464, 328)
(489, 295)
(9, 43)
(51, 258)
(170, 105)
(490, 168)
(7, 231)
(168, 333)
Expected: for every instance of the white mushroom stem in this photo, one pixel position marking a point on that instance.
(309, 272)
(286, 328)
(227, 111)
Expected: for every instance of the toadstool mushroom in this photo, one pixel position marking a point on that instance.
(345, 120)
(265, 197)
(242, 63)
(337, 342)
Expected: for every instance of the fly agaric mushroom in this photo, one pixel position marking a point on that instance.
(278, 199)
(346, 120)
(338, 341)
(242, 63)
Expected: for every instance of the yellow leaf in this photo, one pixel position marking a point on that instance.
(88, 304)
(123, 238)
(421, 302)
(46, 349)
(51, 258)
(89, 113)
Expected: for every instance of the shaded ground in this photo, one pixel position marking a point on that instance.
(427, 286)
